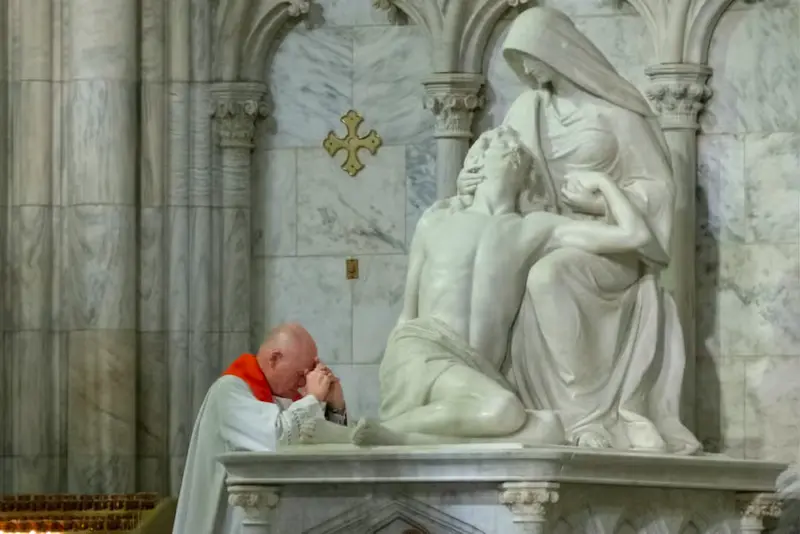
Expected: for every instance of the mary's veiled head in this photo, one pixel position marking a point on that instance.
(543, 43)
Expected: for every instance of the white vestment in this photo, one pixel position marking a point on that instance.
(232, 419)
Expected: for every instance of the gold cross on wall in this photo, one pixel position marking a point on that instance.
(352, 142)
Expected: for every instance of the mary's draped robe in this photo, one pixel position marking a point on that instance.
(596, 339)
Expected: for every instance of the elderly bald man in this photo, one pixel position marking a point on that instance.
(279, 396)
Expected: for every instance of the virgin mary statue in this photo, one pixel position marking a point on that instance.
(596, 339)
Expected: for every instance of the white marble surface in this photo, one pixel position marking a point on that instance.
(755, 54)
(759, 299)
(721, 184)
(772, 416)
(498, 462)
(458, 489)
(748, 258)
(313, 291)
(361, 389)
(310, 85)
(377, 302)
(389, 94)
(340, 214)
(319, 73)
(772, 186)
(274, 212)
(421, 182)
(348, 13)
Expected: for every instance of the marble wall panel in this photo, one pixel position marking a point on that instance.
(31, 116)
(100, 121)
(349, 13)
(772, 401)
(748, 278)
(772, 187)
(340, 214)
(101, 266)
(377, 303)
(361, 389)
(313, 291)
(755, 54)
(310, 84)
(420, 182)
(759, 299)
(101, 438)
(389, 94)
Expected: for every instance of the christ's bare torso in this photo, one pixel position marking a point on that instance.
(474, 272)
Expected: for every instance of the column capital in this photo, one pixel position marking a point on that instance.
(237, 108)
(258, 502)
(678, 92)
(530, 502)
(755, 508)
(453, 98)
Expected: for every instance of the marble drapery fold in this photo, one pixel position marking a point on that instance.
(596, 339)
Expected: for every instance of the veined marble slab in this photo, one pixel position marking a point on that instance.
(496, 463)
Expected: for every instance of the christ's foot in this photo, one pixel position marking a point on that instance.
(368, 433)
(592, 440)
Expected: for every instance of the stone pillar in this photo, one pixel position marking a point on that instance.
(453, 98)
(530, 502)
(238, 106)
(678, 93)
(101, 261)
(5, 408)
(179, 222)
(35, 356)
(260, 506)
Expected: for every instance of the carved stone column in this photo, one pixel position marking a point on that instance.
(238, 106)
(260, 506)
(679, 93)
(755, 509)
(453, 98)
(530, 502)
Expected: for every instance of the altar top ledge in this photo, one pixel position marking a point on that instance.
(506, 462)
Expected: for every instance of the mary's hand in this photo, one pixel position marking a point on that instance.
(583, 199)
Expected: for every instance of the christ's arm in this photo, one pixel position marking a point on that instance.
(629, 233)
(416, 258)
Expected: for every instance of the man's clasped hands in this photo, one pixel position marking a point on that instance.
(325, 386)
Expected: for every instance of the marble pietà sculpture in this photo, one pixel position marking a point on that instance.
(532, 310)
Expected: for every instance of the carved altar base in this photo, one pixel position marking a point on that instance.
(497, 489)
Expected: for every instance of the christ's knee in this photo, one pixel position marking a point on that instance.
(503, 413)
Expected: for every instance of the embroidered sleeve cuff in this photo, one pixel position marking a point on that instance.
(299, 418)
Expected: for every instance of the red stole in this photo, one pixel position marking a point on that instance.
(246, 367)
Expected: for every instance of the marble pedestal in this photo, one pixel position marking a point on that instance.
(497, 489)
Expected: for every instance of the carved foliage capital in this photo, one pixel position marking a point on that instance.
(678, 93)
(258, 503)
(453, 99)
(760, 507)
(529, 502)
(237, 109)
(297, 8)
